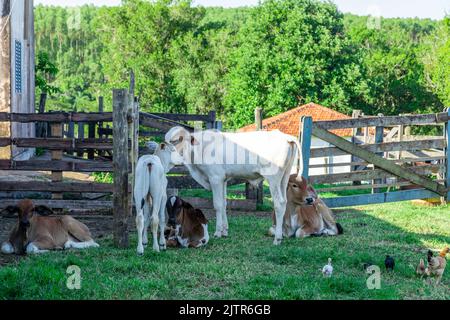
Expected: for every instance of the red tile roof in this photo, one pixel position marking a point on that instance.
(288, 122)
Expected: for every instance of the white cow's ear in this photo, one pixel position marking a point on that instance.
(194, 141)
(180, 139)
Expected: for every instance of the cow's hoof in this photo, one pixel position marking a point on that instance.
(276, 242)
(140, 250)
(156, 248)
(7, 248)
(95, 245)
(225, 233)
(144, 244)
(218, 234)
(162, 246)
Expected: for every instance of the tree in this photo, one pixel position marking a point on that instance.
(390, 62)
(291, 52)
(46, 72)
(436, 58)
(139, 36)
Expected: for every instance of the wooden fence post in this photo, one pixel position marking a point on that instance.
(219, 125)
(133, 131)
(379, 133)
(212, 120)
(355, 131)
(91, 135)
(57, 176)
(70, 133)
(100, 124)
(250, 191)
(305, 143)
(121, 199)
(80, 153)
(447, 157)
(41, 128)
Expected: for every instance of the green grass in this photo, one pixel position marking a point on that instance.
(247, 266)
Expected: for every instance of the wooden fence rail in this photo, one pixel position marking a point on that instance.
(415, 158)
(420, 119)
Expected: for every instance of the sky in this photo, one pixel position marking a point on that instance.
(434, 9)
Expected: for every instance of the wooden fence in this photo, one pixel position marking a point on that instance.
(392, 166)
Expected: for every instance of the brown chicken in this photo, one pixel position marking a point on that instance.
(420, 270)
(436, 265)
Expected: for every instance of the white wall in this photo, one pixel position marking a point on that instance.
(318, 143)
(22, 30)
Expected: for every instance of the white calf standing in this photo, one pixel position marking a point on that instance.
(150, 191)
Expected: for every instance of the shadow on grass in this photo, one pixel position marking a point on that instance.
(247, 266)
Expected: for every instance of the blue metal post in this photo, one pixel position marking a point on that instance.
(305, 144)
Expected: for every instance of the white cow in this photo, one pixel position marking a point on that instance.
(213, 157)
(150, 192)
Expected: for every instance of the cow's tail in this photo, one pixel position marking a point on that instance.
(142, 183)
(299, 155)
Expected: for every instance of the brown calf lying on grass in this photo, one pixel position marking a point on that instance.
(188, 227)
(34, 233)
(306, 214)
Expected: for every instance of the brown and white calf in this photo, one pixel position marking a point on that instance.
(188, 226)
(34, 233)
(306, 214)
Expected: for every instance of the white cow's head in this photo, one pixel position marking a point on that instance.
(168, 155)
(182, 140)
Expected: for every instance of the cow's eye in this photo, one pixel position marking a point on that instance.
(295, 186)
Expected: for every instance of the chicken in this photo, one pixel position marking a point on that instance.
(436, 265)
(420, 270)
(327, 270)
(389, 263)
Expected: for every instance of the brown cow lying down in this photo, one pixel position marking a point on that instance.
(306, 214)
(188, 227)
(34, 233)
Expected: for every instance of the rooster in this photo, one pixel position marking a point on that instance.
(436, 265)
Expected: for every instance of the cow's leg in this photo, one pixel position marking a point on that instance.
(224, 212)
(140, 229)
(218, 190)
(41, 245)
(7, 248)
(146, 224)
(33, 248)
(80, 245)
(279, 202)
(155, 220)
(162, 221)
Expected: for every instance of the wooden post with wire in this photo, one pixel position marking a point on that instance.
(122, 197)
(57, 176)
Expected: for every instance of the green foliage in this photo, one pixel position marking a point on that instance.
(46, 72)
(436, 58)
(276, 55)
(103, 177)
(247, 265)
(70, 37)
(391, 64)
(142, 39)
(291, 52)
